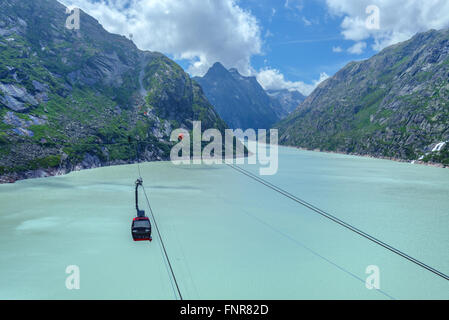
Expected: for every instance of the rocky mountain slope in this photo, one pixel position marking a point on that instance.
(394, 105)
(285, 101)
(240, 101)
(69, 99)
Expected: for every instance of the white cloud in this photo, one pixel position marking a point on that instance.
(199, 31)
(399, 19)
(358, 48)
(273, 79)
(337, 49)
(307, 22)
(268, 34)
(294, 4)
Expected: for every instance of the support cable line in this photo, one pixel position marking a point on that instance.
(138, 162)
(315, 253)
(164, 250)
(338, 221)
(163, 245)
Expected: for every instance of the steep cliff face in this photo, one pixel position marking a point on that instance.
(71, 98)
(240, 101)
(395, 104)
(174, 96)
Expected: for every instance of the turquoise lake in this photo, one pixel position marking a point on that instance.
(227, 236)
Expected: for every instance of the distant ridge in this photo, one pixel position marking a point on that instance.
(285, 101)
(394, 105)
(241, 101)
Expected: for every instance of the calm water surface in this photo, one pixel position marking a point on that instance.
(228, 236)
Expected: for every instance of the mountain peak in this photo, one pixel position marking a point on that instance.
(241, 103)
(217, 70)
(218, 65)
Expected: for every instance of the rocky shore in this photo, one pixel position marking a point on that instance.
(430, 164)
(89, 162)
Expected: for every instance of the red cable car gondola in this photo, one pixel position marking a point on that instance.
(141, 229)
(141, 225)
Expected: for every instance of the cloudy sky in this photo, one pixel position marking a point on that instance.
(292, 44)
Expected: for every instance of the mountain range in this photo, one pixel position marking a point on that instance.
(393, 105)
(242, 102)
(72, 99)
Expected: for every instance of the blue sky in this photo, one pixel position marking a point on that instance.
(300, 41)
(286, 44)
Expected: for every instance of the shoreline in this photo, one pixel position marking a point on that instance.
(418, 162)
(11, 178)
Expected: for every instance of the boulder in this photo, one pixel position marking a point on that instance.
(16, 98)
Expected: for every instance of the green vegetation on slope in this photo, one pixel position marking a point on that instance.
(72, 98)
(392, 105)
